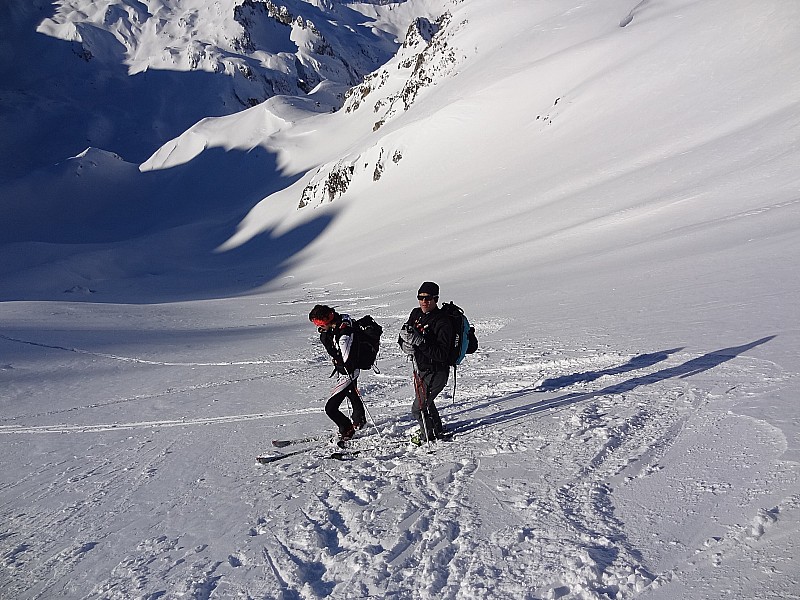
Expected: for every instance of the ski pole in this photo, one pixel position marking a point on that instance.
(364, 404)
(369, 414)
(455, 371)
(366, 408)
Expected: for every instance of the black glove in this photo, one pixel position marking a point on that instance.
(339, 367)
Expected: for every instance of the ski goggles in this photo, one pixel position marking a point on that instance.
(324, 323)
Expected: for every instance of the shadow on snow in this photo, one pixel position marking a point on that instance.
(687, 369)
(107, 229)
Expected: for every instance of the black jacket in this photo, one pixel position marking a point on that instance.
(437, 329)
(338, 343)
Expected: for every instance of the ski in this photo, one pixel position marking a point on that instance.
(343, 449)
(292, 442)
(271, 458)
(344, 454)
(318, 438)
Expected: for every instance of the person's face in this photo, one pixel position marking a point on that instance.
(427, 303)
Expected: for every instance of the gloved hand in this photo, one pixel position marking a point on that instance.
(339, 367)
(416, 338)
(405, 345)
(411, 336)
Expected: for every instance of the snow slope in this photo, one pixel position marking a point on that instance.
(610, 191)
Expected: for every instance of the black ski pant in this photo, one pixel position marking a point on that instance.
(428, 385)
(337, 416)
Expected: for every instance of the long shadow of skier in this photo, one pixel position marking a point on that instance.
(687, 369)
(638, 362)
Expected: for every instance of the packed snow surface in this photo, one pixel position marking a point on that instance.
(610, 190)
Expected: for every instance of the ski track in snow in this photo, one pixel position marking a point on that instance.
(393, 521)
(151, 362)
(410, 523)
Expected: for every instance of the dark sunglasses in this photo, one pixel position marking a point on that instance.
(428, 298)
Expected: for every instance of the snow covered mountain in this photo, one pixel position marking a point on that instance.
(124, 75)
(609, 189)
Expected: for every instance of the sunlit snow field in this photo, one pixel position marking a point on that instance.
(611, 193)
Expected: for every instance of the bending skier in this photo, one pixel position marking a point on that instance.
(427, 336)
(336, 335)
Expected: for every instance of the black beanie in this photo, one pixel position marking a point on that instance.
(429, 288)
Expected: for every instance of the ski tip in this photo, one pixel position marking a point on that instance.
(280, 443)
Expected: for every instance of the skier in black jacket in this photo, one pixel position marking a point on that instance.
(336, 335)
(427, 336)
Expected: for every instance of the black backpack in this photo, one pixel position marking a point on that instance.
(367, 340)
(464, 339)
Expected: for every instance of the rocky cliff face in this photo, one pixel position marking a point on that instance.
(425, 58)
